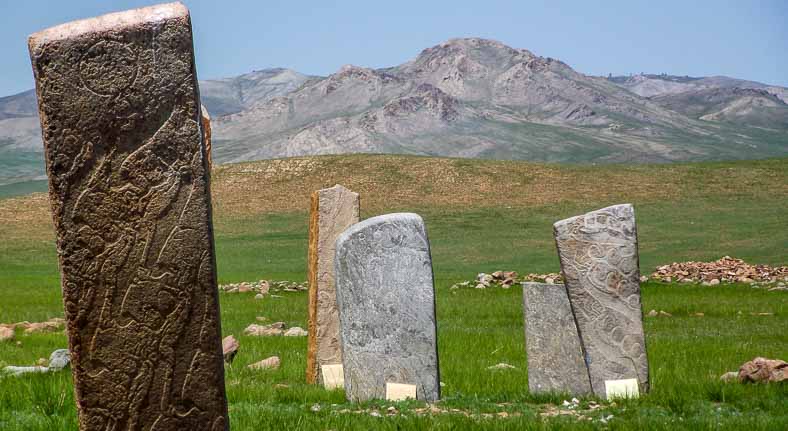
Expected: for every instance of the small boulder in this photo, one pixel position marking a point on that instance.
(271, 363)
(730, 376)
(259, 296)
(6, 333)
(229, 348)
(273, 329)
(652, 313)
(264, 287)
(295, 332)
(763, 370)
(59, 359)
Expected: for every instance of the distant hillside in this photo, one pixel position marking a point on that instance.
(465, 98)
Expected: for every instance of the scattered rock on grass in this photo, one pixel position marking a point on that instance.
(59, 359)
(271, 363)
(295, 332)
(230, 348)
(730, 376)
(273, 329)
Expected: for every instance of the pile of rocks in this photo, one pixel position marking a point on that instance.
(759, 370)
(264, 286)
(506, 279)
(725, 270)
(52, 325)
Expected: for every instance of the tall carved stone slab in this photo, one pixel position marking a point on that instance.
(333, 210)
(599, 260)
(120, 114)
(555, 357)
(387, 307)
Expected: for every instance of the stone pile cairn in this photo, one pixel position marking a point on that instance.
(724, 270)
(506, 279)
(52, 325)
(264, 286)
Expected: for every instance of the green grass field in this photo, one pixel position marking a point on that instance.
(481, 216)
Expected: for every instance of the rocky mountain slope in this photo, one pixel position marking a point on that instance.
(466, 98)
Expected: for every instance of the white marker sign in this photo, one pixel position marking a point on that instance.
(333, 376)
(400, 391)
(626, 388)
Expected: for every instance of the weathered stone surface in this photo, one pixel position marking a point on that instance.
(333, 210)
(386, 300)
(599, 260)
(120, 116)
(555, 357)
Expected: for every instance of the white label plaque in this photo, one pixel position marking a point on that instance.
(626, 388)
(333, 376)
(400, 391)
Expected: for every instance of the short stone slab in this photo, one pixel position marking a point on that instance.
(386, 304)
(555, 357)
(333, 210)
(128, 184)
(599, 260)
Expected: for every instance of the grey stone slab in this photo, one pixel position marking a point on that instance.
(120, 116)
(333, 210)
(555, 357)
(386, 304)
(599, 259)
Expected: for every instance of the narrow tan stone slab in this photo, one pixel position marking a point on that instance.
(333, 210)
(120, 117)
(400, 391)
(205, 119)
(599, 260)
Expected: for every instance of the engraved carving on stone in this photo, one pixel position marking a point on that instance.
(555, 357)
(386, 300)
(332, 211)
(119, 108)
(599, 260)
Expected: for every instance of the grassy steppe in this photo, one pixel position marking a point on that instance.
(481, 216)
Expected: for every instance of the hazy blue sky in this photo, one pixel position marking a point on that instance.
(742, 39)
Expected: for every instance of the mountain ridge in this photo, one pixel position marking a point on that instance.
(466, 97)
